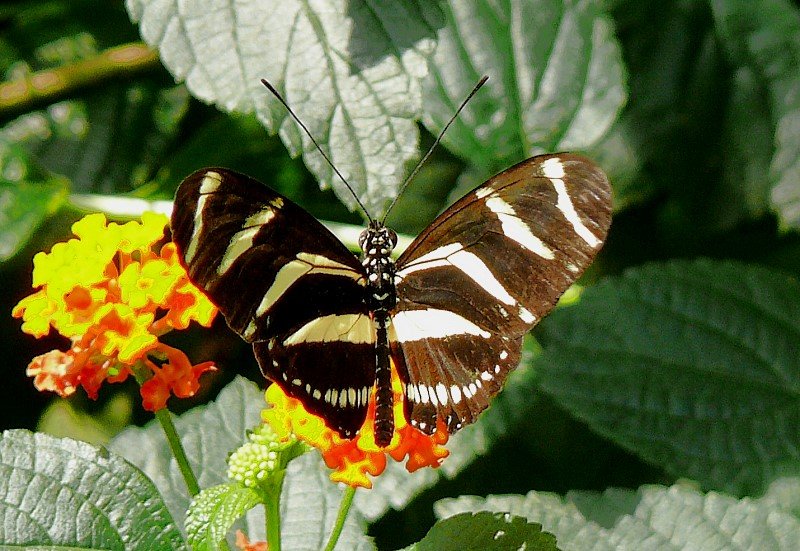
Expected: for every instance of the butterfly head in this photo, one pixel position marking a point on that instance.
(377, 240)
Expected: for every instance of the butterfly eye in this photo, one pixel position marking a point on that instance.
(392, 237)
(362, 239)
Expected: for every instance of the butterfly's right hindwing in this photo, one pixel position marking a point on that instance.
(283, 282)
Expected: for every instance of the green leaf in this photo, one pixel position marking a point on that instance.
(691, 365)
(654, 518)
(64, 493)
(214, 511)
(747, 149)
(671, 124)
(556, 79)
(485, 531)
(349, 72)
(764, 37)
(24, 204)
(309, 501)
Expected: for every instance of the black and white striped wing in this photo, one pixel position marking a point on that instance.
(284, 283)
(483, 274)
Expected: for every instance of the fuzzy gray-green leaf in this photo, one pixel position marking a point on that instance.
(653, 518)
(349, 70)
(61, 493)
(556, 79)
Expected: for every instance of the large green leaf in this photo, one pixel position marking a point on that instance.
(350, 72)
(309, 501)
(484, 531)
(61, 493)
(654, 518)
(556, 79)
(764, 37)
(691, 365)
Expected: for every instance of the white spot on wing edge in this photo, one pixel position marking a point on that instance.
(433, 397)
(441, 392)
(250, 330)
(553, 168)
(423, 394)
(566, 207)
(526, 315)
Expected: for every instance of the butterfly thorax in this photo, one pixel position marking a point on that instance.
(377, 243)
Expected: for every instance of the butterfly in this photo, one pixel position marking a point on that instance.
(449, 314)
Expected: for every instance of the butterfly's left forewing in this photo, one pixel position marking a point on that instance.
(284, 283)
(483, 274)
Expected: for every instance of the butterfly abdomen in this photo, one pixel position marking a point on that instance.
(377, 243)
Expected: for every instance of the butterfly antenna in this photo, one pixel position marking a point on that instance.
(275, 93)
(407, 181)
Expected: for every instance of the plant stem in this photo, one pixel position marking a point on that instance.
(344, 509)
(165, 418)
(49, 85)
(272, 508)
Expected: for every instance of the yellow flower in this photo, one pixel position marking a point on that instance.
(113, 291)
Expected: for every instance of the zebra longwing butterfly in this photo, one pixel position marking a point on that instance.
(450, 312)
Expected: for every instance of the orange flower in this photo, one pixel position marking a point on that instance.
(352, 460)
(113, 296)
(243, 543)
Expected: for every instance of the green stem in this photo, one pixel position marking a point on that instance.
(344, 509)
(165, 418)
(272, 507)
(50, 85)
(141, 373)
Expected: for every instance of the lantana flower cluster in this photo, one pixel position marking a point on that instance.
(352, 460)
(114, 292)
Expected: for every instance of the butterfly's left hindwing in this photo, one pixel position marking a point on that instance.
(286, 284)
(483, 274)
